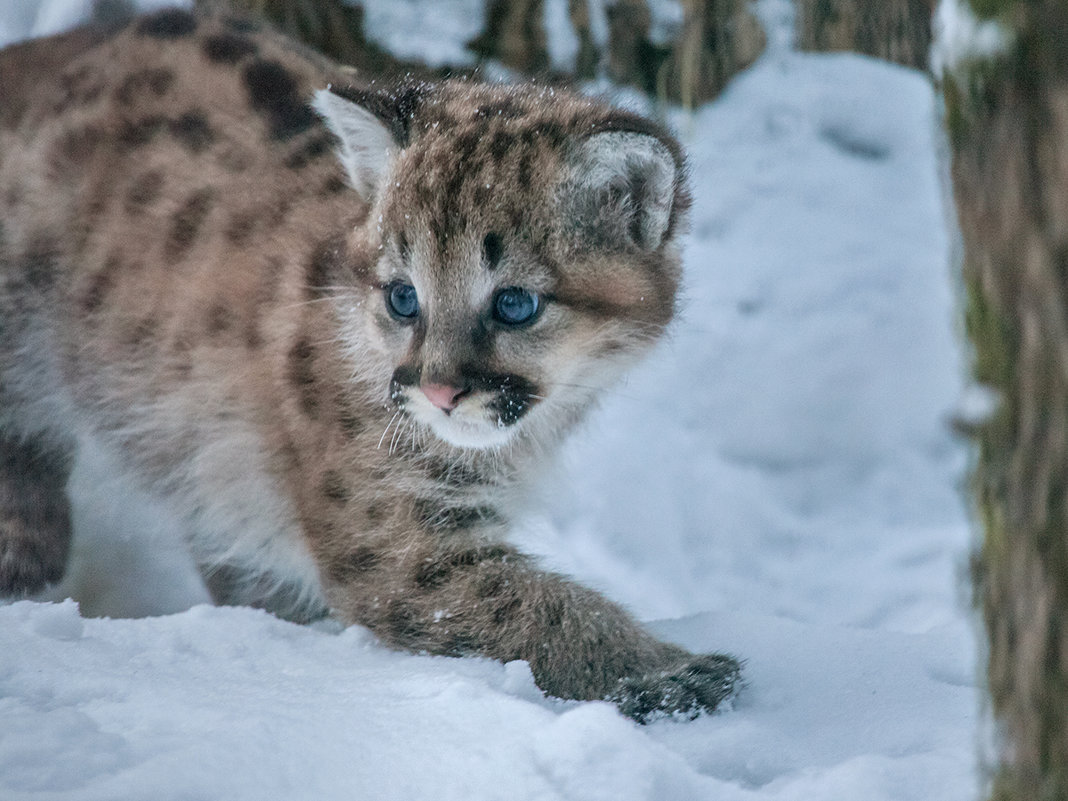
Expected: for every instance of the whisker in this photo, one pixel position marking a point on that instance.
(382, 438)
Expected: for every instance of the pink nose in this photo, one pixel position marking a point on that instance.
(443, 396)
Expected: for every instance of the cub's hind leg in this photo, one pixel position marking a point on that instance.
(35, 526)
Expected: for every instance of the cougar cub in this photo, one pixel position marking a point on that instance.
(334, 327)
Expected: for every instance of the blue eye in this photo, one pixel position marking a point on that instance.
(515, 306)
(402, 300)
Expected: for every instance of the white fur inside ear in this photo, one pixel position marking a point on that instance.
(366, 147)
(637, 167)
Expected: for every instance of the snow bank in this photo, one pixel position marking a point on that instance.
(779, 481)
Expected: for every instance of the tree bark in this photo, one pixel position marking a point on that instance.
(895, 30)
(1007, 118)
(716, 40)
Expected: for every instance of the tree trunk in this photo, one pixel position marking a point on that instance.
(691, 63)
(1007, 118)
(896, 30)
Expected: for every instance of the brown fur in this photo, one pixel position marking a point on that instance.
(186, 278)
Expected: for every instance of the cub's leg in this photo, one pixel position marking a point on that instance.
(35, 528)
(487, 599)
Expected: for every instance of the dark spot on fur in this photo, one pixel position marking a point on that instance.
(157, 81)
(275, 94)
(507, 610)
(461, 644)
(186, 223)
(358, 562)
(40, 264)
(193, 131)
(302, 375)
(506, 109)
(375, 513)
(334, 487)
(281, 208)
(348, 418)
(142, 333)
(553, 132)
(523, 178)
(552, 612)
(228, 48)
(437, 570)
(241, 227)
(240, 24)
(137, 133)
(312, 149)
(77, 146)
(253, 337)
(434, 515)
(100, 285)
(455, 473)
(145, 189)
(501, 145)
(464, 149)
(333, 185)
(403, 621)
(233, 158)
(220, 319)
(14, 195)
(170, 23)
(489, 584)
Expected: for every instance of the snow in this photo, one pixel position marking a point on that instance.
(778, 482)
(435, 32)
(961, 37)
(563, 44)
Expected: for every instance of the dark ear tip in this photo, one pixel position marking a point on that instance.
(628, 122)
(395, 107)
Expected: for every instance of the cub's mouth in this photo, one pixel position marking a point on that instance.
(475, 412)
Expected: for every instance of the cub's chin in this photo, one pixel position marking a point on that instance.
(471, 425)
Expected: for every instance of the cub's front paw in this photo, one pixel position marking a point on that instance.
(696, 685)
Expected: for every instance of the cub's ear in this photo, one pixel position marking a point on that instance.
(367, 146)
(620, 190)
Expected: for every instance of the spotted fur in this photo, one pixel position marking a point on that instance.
(200, 228)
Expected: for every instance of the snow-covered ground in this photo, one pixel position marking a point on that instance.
(778, 482)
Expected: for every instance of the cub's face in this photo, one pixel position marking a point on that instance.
(519, 262)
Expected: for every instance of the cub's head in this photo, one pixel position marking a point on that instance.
(522, 250)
